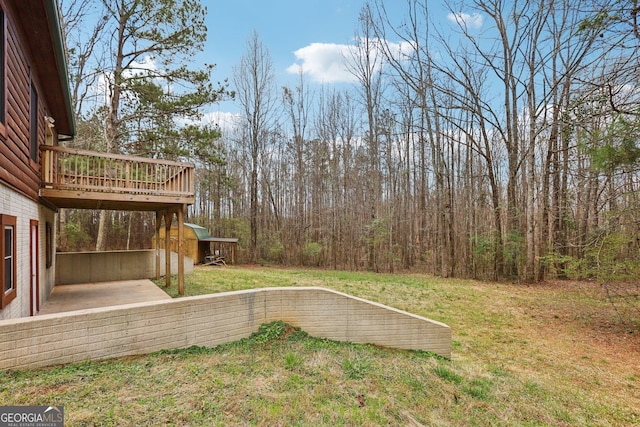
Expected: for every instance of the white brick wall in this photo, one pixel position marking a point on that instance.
(25, 209)
(210, 320)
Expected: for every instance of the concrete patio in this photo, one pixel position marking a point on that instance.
(65, 298)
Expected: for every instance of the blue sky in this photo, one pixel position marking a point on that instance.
(312, 34)
(284, 26)
(316, 29)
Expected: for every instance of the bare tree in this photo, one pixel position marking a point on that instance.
(482, 157)
(366, 66)
(297, 105)
(254, 82)
(84, 23)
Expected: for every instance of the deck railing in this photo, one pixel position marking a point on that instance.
(82, 170)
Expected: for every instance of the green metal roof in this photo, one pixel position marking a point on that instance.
(201, 232)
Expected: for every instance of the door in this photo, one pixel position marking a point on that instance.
(35, 275)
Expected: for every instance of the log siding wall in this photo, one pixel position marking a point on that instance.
(17, 169)
(20, 177)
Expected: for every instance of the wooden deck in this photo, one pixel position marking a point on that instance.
(81, 179)
(90, 180)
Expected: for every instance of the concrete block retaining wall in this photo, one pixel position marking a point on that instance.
(210, 320)
(91, 267)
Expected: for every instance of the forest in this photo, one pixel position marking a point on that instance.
(506, 154)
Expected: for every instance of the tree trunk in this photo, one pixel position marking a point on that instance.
(101, 239)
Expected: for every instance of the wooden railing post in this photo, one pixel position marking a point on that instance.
(47, 167)
(127, 174)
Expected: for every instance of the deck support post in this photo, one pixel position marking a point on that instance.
(168, 218)
(157, 239)
(181, 249)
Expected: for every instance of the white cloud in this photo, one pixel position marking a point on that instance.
(146, 67)
(324, 62)
(328, 62)
(401, 50)
(474, 21)
(226, 121)
(100, 90)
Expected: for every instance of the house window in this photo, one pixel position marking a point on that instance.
(34, 124)
(8, 255)
(49, 244)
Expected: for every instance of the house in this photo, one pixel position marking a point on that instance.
(38, 176)
(199, 244)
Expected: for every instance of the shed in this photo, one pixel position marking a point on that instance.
(199, 243)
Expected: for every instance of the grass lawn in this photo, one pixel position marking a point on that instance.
(549, 354)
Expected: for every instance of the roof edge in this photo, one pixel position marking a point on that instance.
(53, 15)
